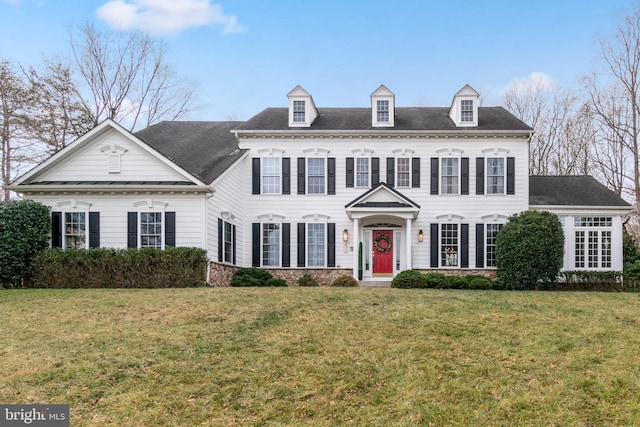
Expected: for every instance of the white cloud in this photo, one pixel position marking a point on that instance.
(533, 83)
(166, 16)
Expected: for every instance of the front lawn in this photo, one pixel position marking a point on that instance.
(323, 356)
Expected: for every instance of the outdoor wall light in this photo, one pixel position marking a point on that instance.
(345, 235)
(420, 236)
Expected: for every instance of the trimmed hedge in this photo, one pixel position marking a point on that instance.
(119, 268)
(413, 279)
(252, 276)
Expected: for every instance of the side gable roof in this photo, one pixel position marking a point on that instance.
(568, 191)
(406, 118)
(204, 149)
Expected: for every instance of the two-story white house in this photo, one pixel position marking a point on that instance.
(364, 191)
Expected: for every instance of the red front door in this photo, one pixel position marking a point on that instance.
(382, 252)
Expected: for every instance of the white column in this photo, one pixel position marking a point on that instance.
(408, 232)
(356, 245)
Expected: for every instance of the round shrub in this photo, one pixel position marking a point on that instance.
(456, 282)
(276, 282)
(251, 277)
(307, 280)
(408, 279)
(479, 282)
(529, 250)
(345, 281)
(435, 280)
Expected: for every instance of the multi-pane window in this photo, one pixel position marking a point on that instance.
(449, 176)
(270, 245)
(466, 110)
(593, 242)
(298, 112)
(449, 245)
(151, 229)
(316, 245)
(382, 111)
(491, 234)
(228, 242)
(403, 172)
(362, 172)
(75, 230)
(271, 175)
(316, 176)
(495, 175)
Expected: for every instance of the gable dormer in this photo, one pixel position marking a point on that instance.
(302, 109)
(383, 103)
(464, 108)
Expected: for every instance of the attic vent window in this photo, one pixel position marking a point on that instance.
(466, 109)
(114, 154)
(298, 112)
(383, 111)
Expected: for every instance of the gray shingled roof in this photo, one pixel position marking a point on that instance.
(581, 190)
(406, 118)
(204, 149)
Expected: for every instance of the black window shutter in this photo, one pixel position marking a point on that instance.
(350, 172)
(434, 245)
(480, 245)
(435, 174)
(94, 229)
(331, 244)
(464, 167)
(286, 244)
(56, 229)
(375, 171)
(415, 172)
(220, 240)
(170, 229)
(233, 243)
(331, 175)
(511, 175)
(479, 175)
(391, 171)
(132, 229)
(301, 244)
(301, 175)
(286, 175)
(255, 244)
(255, 175)
(464, 245)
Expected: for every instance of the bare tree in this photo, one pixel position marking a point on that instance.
(127, 78)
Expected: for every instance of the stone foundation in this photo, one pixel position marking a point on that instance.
(221, 274)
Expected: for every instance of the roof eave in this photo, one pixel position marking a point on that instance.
(381, 132)
(624, 209)
(28, 189)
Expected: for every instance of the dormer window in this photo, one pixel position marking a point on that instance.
(466, 110)
(298, 111)
(383, 111)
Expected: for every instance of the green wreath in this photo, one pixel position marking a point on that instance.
(376, 243)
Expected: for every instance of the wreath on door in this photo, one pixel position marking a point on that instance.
(382, 238)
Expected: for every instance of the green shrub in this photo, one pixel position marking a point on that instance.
(307, 280)
(252, 276)
(408, 279)
(435, 280)
(345, 281)
(455, 282)
(529, 250)
(480, 282)
(276, 282)
(177, 267)
(24, 231)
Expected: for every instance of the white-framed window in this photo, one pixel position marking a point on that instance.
(316, 175)
(403, 172)
(449, 245)
(593, 242)
(496, 173)
(466, 110)
(491, 232)
(449, 173)
(299, 111)
(271, 243)
(382, 111)
(271, 175)
(228, 242)
(75, 230)
(151, 231)
(316, 245)
(362, 172)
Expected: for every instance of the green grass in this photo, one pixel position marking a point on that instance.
(324, 356)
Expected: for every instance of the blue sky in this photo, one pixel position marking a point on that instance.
(246, 55)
